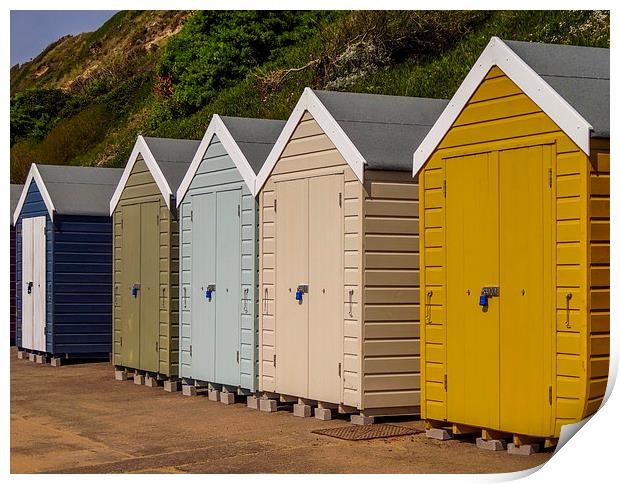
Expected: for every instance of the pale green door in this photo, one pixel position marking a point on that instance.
(149, 286)
(130, 276)
(228, 287)
(203, 274)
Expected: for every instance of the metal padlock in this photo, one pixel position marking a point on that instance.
(209, 292)
(484, 300)
(298, 295)
(30, 287)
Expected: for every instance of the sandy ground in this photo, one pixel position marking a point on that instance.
(78, 419)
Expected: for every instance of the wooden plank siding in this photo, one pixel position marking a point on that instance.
(598, 269)
(391, 310)
(141, 188)
(500, 116)
(310, 152)
(217, 172)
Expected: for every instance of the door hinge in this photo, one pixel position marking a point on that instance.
(121, 223)
(190, 350)
(444, 188)
(191, 215)
(445, 382)
(238, 210)
(237, 356)
(121, 341)
(274, 360)
(275, 205)
(340, 369)
(157, 219)
(550, 175)
(550, 395)
(156, 345)
(340, 199)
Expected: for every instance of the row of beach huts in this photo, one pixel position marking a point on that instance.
(372, 255)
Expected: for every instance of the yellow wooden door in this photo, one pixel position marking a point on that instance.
(291, 271)
(525, 271)
(325, 288)
(472, 263)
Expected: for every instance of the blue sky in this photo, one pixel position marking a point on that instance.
(33, 30)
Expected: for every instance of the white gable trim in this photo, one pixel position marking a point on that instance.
(497, 53)
(311, 103)
(34, 174)
(141, 148)
(217, 128)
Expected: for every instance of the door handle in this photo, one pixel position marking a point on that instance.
(486, 293)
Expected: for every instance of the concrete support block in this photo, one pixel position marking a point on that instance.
(227, 398)
(214, 395)
(494, 444)
(56, 362)
(151, 382)
(40, 359)
(323, 413)
(268, 405)
(171, 386)
(21, 355)
(138, 379)
(438, 434)
(31, 357)
(525, 449)
(252, 402)
(301, 410)
(189, 390)
(362, 420)
(120, 375)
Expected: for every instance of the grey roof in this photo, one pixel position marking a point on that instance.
(173, 157)
(386, 130)
(255, 137)
(579, 74)
(16, 192)
(80, 190)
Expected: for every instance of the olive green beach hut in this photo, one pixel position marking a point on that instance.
(146, 261)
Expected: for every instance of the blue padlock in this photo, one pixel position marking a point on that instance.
(298, 295)
(209, 294)
(484, 300)
(134, 291)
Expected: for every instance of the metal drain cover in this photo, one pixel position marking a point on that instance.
(366, 432)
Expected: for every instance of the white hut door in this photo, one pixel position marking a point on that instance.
(325, 294)
(27, 284)
(39, 267)
(33, 283)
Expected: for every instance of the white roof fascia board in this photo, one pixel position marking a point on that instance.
(142, 148)
(311, 103)
(497, 53)
(196, 160)
(218, 128)
(34, 174)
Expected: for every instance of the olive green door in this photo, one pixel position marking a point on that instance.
(149, 286)
(130, 277)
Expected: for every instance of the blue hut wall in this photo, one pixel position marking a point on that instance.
(217, 172)
(82, 289)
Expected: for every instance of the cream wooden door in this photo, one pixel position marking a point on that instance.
(291, 270)
(325, 269)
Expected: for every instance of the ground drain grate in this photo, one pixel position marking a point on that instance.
(366, 432)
